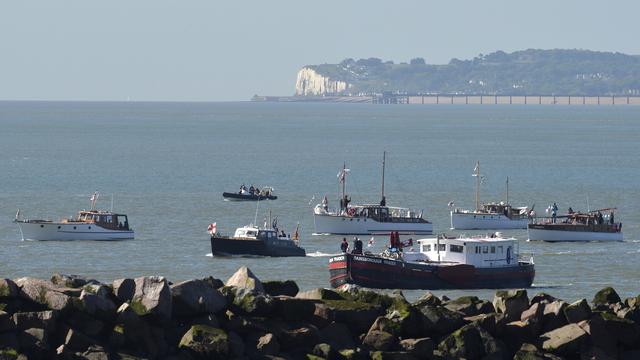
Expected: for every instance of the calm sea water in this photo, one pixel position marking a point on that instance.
(167, 164)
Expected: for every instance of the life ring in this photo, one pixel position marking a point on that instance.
(509, 255)
(351, 212)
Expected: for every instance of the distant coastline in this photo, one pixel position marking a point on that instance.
(452, 99)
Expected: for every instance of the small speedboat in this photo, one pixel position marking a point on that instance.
(484, 262)
(266, 193)
(90, 224)
(254, 240)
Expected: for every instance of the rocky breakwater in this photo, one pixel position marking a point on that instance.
(69, 317)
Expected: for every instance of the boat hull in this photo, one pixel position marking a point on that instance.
(345, 225)
(376, 272)
(471, 221)
(246, 246)
(51, 231)
(571, 235)
(241, 197)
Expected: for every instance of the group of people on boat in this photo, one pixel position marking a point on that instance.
(253, 190)
(357, 246)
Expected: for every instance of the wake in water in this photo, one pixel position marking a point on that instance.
(321, 254)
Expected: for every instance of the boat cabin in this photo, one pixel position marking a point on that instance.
(384, 213)
(253, 232)
(482, 251)
(104, 219)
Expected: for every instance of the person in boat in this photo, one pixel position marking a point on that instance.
(282, 234)
(344, 246)
(242, 189)
(611, 218)
(570, 211)
(325, 203)
(554, 212)
(600, 218)
(383, 202)
(357, 246)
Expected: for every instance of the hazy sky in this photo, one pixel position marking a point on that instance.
(229, 50)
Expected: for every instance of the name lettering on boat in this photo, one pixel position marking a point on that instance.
(336, 258)
(374, 260)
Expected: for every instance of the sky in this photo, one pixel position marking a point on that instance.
(210, 50)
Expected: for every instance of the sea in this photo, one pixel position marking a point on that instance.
(166, 165)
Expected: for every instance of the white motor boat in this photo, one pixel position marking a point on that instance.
(576, 226)
(90, 224)
(499, 215)
(375, 219)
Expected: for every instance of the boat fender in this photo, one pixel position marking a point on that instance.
(509, 255)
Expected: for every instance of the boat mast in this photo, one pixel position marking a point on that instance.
(343, 177)
(384, 155)
(476, 173)
(507, 191)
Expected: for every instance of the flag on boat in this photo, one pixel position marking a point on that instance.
(296, 234)
(371, 242)
(94, 197)
(476, 169)
(342, 174)
(213, 228)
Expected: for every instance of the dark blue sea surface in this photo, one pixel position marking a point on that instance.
(167, 164)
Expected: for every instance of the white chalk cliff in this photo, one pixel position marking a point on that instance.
(309, 82)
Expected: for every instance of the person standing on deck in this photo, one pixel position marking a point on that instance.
(554, 212)
(345, 245)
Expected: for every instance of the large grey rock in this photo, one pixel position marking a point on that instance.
(124, 289)
(8, 289)
(577, 311)
(338, 336)
(567, 340)
(534, 316)
(319, 294)
(553, 316)
(465, 342)
(195, 297)
(605, 297)
(380, 340)
(542, 298)
(71, 281)
(249, 302)
(440, 320)
(428, 299)
(470, 306)
(37, 319)
(358, 316)
(289, 308)
(294, 336)
(34, 343)
(99, 306)
(511, 303)
(278, 288)
(44, 293)
(205, 342)
(152, 298)
(245, 279)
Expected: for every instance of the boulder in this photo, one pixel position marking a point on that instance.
(338, 336)
(38, 319)
(511, 303)
(534, 316)
(567, 340)
(77, 341)
(289, 308)
(427, 299)
(249, 302)
(195, 297)
(278, 288)
(553, 316)
(380, 340)
(605, 297)
(8, 289)
(440, 320)
(101, 290)
(152, 298)
(630, 302)
(319, 294)
(358, 316)
(124, 289)
(624, 331)
(385, 324)
(205, 342)
(34, 344)
(293, 337)
(44, 293)
(470, 305)
(421, 348)
(630, 313)
(489, 322)
(542, 298)
(245, 279)
(84, 323)
(531, 352)
(99, 306)
(577, 311)
(6, 322)
(70, 281)
(465, 342)
(408, 319)
(516, 333)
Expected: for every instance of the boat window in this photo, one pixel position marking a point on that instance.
(427, 247)
(477, 249)
(456, 248)
(500, 249)
(251, 233)
(442, 247)
(485, 249)
(493, 249)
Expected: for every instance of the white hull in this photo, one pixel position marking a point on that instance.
(345, 225)
(471, 221)
(70, 231)
(560, 235)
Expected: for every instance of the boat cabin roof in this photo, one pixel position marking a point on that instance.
(483, 239)
(98, 212)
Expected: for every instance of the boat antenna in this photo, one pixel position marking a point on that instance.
(476, 173)
(384, 155)
(507, 190)
(111, 202)
(255, 218)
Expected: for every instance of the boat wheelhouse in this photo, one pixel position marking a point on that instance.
(577, 226)
(492, 215)
(374, 219)
(441, 263)
(253, 240)
(90, 224)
